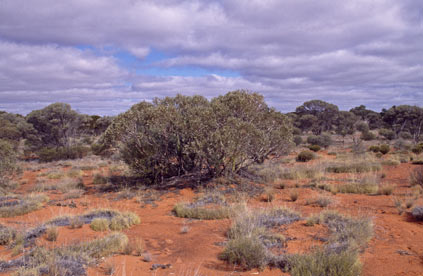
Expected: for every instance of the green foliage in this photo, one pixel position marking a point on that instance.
(374, 148)
(186, 211)
(368, 136)
(387, 133)
(345, 123)
(298, 140)
(325, 114)
(245, 251)
(7, 163)
(55, 124)
(323, 263)
(362, 127)
(99, 224)
(13, 128)
(62, 153)
(314, 148)
(323, 140)
(416, 176)
(185, 135)
(353, 167)
(384, 149)
(373, 118)
(404, 118)
(417, 149)
(305, 156)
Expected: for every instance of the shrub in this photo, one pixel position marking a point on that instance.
(163, 146)
(417, 149)
(374, 149)
(417, 213)
(52, 233)
(384, 149)
(298, 140)
(387, 133)
(386, 189)
(323, 140)
(7, 163)
(314, 148)
(369, 184)
(416, 176)
(322, 201)
(62, 153)
(405, 135)
(305, 156)
(245, 251)
(22, 205)
(323, 263)
(195, 212)
(99, 224)
(69, 260)
(269, 194)
(99, 179)
(353, 167)
(368, 136)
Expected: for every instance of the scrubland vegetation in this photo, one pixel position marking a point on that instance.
(257, 178)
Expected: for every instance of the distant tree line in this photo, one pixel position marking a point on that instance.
(180, 136)
(316, 116)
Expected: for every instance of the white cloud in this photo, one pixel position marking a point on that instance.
(347, 52)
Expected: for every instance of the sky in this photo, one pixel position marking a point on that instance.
(103, 56)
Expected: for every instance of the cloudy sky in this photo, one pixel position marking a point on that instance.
(102, 56)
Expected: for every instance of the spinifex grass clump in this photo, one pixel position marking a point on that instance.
(115, 221)
(11, 206)
(367, 184)
(66, 261)
(353, 167)
(340, 256)
(210, 206)
(250, 238)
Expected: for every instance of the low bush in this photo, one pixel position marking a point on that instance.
(298, 140)
(247, 252)
(207, 213)
(324, 263)
(386, 189)
(368, 184)
(374, 149)
(384, 149)
(417, 149)
(323, 140)
(416, 176)
(321, 201)
(387, 133)
(100, 224)
(62, 153)
(305, 156)
(314, 148)
(250, 238)
(99, 179)
(368, 136)
(66, 261)
(52, 233)
(353, 167)
(17, 206)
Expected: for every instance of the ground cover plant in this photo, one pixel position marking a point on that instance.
(68, 260)
(11, 206)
